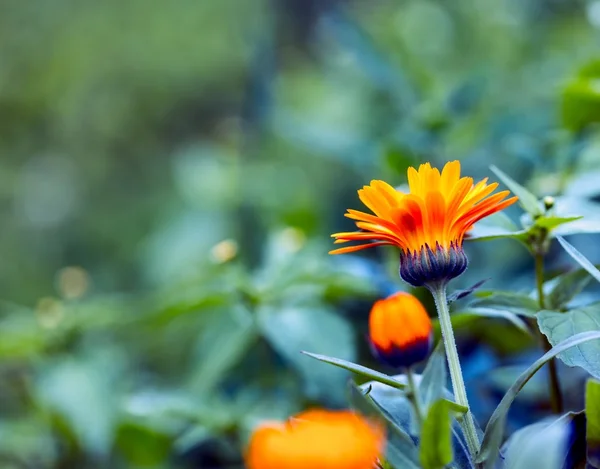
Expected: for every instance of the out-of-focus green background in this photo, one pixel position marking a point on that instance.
(170, 173)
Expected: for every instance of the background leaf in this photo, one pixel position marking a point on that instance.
(562, 289)
(527, 200)
(558, 326)
(541, 444)
(580, 258)
(83, 394)
(225, 339)
(291, 330)
(516, 303)
(483, 312)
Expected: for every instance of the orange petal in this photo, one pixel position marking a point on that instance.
(356, 248)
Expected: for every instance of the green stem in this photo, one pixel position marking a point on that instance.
(458, 384)
(413, 395)
(553, 382)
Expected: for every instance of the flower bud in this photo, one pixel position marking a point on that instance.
(549, 202)
(400, 330)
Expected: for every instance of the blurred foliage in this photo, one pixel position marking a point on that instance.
(171, 172)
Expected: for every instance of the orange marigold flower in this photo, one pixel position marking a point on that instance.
(400, 330)
(428, 224)
(317, 439)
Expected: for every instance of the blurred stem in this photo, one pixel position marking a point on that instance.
(554, 384)
(458, 385)
(413, 396)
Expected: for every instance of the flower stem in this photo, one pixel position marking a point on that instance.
(458, 385)
(554, 384)
(413, 396)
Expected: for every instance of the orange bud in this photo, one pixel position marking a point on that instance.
(400, 330)
(317, 439)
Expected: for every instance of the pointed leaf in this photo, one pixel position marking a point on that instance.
(457, 295)
(572, 204)
(397, 407)
(581, 226)
(516, 303)
(558, 326)
(564, 288)
(495, 313)
(359, 370)
(552, 222)
(436, 437)
(398, 459)
(580, 258)
(433, 380)
(401, 450)
(527, 200)
(494, 431)
(539, 445)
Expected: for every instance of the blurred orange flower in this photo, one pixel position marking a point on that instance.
(400, 330)
(317, 439)
(428, 224)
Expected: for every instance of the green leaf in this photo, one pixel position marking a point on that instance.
(436, 439)
(527, 200)
(551, 222)
(359, 370)
(21, 336)
(495, 314)
(29, 438)
(562, 289)
(398, 459)
(592, 413)
(495, 428)
(541, 445)
(580, 258)
(580, 205)
(580, 103)
(433, 380)
(581, 226)
(460, 294)
(496, 226)
(224, 342)
(397, 408)
(141, 445)
(516, 303)
(558, 326)
(83, 394)
(294, 329)
(401, 450)
(436, 435)
(592, 410)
